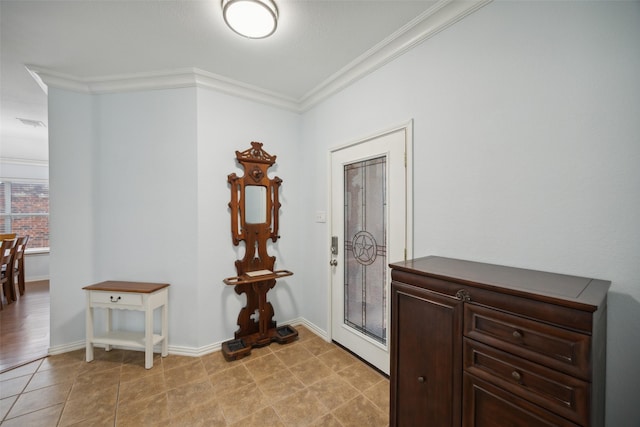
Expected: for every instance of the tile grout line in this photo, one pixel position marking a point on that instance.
(115, 408)
(22, 391)
(66, 400)
(314, 356)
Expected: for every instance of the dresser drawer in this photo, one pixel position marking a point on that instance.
(555, 391)
(554, 347)
(116, 298)
(486, 405)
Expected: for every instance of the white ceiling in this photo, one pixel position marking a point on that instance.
(317, 43)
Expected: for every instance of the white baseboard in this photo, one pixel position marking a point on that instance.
(188, 351)
(300, 321)
(65, 348)
(28, 279)
(195, 352)
(177, 350)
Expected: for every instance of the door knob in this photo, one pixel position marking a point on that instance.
(333, 262)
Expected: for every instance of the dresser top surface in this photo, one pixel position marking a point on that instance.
(519, 281)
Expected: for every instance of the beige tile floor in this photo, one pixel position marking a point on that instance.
(305, 383)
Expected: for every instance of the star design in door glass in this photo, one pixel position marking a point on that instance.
(364, 247)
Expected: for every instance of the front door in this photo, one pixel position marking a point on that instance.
(369, 218)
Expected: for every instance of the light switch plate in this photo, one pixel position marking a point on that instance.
(321, 216)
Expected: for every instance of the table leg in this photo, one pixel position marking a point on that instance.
(165, 329)
(89, 330)
(148, 336)
(107, 347)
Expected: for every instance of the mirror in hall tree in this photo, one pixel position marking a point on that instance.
(254, 209)
(255, 204)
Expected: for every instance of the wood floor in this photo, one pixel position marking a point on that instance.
(24, 327)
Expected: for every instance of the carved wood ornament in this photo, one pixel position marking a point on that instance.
(254, 209)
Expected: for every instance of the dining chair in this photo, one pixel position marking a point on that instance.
(6, 258)
(18, 265)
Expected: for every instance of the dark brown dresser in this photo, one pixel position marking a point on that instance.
(476, 344)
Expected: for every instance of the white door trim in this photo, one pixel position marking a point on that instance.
(408, 128)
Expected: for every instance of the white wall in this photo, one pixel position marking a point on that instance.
(24, 169)
(527, 153)
(227, 124)
(145, 199)
(149, 203)
(71, 211)
(36, 266)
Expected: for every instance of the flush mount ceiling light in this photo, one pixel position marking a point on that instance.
(254, 19)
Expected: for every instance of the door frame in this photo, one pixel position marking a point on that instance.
(408, 129)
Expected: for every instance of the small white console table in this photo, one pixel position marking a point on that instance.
(139, 296)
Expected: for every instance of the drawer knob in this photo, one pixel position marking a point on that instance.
(115, 299)
(421, 379)
(516, 375)
(517, 334)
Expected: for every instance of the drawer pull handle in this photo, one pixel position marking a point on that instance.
(517, 334)
(115, 299)
(421, 379)
(516, 375)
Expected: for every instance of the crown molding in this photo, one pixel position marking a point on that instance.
(24, 162)
(437, 18)
(443, 14)
(165, 79)
(243, 90)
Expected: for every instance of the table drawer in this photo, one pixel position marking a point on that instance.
(116, 298)
(555, 391)
(555, 347)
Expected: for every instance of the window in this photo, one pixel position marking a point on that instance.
(24, 209)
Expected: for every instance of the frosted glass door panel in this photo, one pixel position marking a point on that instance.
(365, 258)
